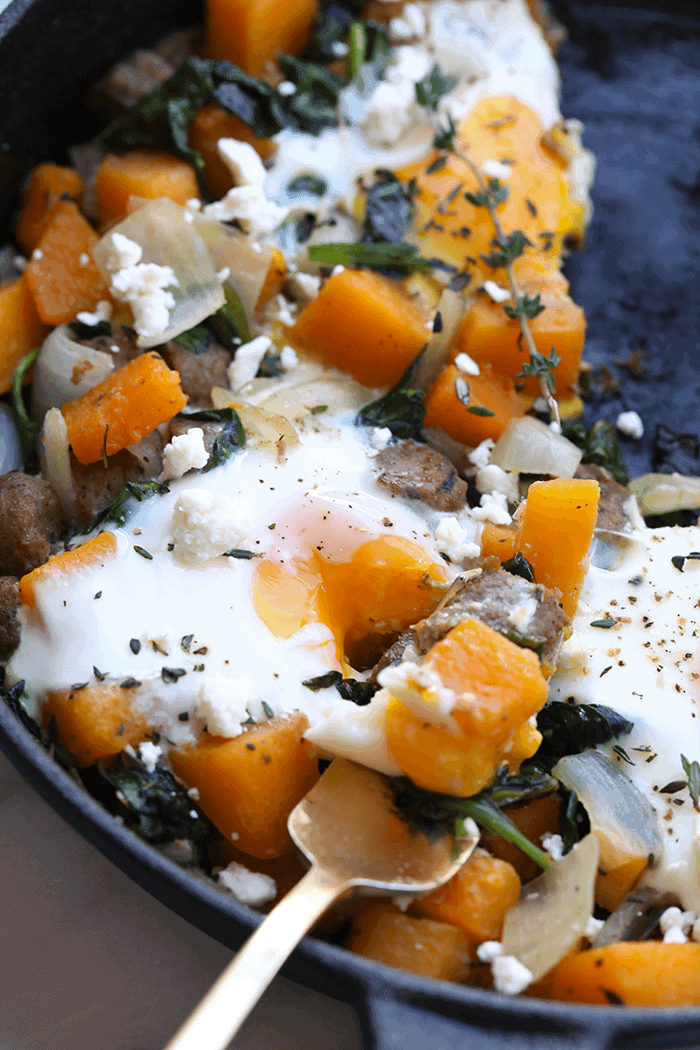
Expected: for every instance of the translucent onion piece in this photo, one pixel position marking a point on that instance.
(64, 370)
(549, 919)
(167, 239)
(666, 493)
(10, 447)
(637, 918)
(295, 400)
(451, 309)
(622, 818)
(269, 431)
(56, 459)
(530, 447)
(248, 261)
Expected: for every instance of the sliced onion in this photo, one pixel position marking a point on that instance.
(10, 446)
(622, 818)
(269, 430)
(248, 261)
(637, 918)
(168, 239)
(56, 458)
(64, 370)
(551, 915)
(531, 447)
(294, 399)
(451, 309)
(666, 493)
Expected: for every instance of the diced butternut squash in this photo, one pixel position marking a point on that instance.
(89, 556)
(141, 173)
(48, 185)
(498, 686)
(498, 540)
(249, 785)
(630, 973)
(120, 411)
(273, 281)
(422, 946)
(362, 323)
(555, 533)
(61, 273)
(211, 124)
(476, 899)
(94, 722)
(613, 884)
(21, 328)
(538, 818)
(493, 405)
(251, 33)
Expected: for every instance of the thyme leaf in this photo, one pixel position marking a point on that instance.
(541, 367)
(432, 87)
(692, 771)
(124, 504)
(398, 257)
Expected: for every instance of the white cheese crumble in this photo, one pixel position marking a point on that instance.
(281, 310)
(481, 455)
(248, 887)
(676, 925)
(339, 49)
(593, 927)
(392, 106)
(510, 977)
(421, 690)
(490, 479)
(207, 524)
(37, 254)
(553, 845)
(337, 269)
(250, 206)
(306, 286)
(380, 437)
(222, 706)
(489, 950)
(496, 291)
(193, 793)
(452, 539)
(408, 25)
(286, 88)
(630, 424)
(465, 364)
(184, 452)
(288, 358)
(242, 161)
(244, 367)
(193, 204)
(495, 170)
(493, 508)
(521, 617)
(122, 252)
(141, 285)
(102, 312)
(149, 753)
(675, 936)
(84, 259)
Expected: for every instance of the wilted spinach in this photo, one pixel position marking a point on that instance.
(352, 689)
(569, 729)
(599, 445)
(388, 209)
(230, 440)
(124, 504)
(402, 410)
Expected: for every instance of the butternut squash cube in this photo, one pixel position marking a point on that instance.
(141, 173)
(211, 124)
(48, 185)
(493, 404)
(422, 946)
(95, 722)
(251, 33)
(21, 327)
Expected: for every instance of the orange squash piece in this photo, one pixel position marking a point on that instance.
(21, 328)
(498, 540)
(536, 819)
(490, 391)
(48, 185)
(141, 173)
(94, 722)
(249, 785)
(613, 885)
(422, 946)
(211, 124)
(498, 686)
(122, 409)
(476, 899)
(61, 273)
(555, 533)
(90, 555)
(251, 33)
(362, 323)
(630, 973)
(274, 280)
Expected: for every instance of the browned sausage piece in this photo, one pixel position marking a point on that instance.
(419, 472)
(9, 624)
(96, 487)
(198, 372)
(612, 515)
(31, 522)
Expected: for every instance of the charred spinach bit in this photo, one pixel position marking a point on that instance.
(313, 105)
(197, 339)
(207, 415)
(518, 789)
(432, 87)
(251, 100)
(692, 771)
(230, 323)
(331, 27)
(89, 331)
(14, 697)
(599, 445)
(540, 366)
(569, 729)
(672, 451)
(398, 257)
(121, 508)
(310, 184)
(518, 565)
(388, 209)
(26, 427)
(679, 560)
(231, 438)
(402, 410)
(573, 820)
(357, 692)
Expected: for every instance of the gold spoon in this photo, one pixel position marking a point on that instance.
(348, 830)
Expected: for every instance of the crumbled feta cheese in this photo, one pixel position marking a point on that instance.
(420, 689)
(37, 254)
(389, 112)
(495, 170)
(248, 887)
(675, 918)
(337, 269)
(510, 977)
(249, 205)
(184, 452)
(193, 204)
(521, 617)
(465, 364)
(555, 426)
(19, 263)
(242, 161)
(223, 275)
(675, 936)
(493, 508)
(143, 286)
(491, 479)
(206, 524)
(489, 950)
(593, 928)
(339, 49)
(410, 24)
(306, 286)
(481, 455)
(497, 293)
(84, 259)
(223, 705)
(630, 424)
(288, 358)
(380, 437)
(102, 312)
(452, 539)
(287, 88)
(193, 793)
(246, 363)
(553, 845)
(281, 310)
(122, 252)
(149, 753)
(408, 64)
(114, 348)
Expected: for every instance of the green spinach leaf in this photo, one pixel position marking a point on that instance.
(398, 258)
(402, 410)
(124, 504)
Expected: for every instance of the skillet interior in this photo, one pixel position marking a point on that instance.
(632, 76)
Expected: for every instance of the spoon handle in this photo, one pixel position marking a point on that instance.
(222, 1011)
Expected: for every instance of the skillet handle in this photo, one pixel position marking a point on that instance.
(394, 1022)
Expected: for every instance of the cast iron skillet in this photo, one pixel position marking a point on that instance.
(632, 75)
